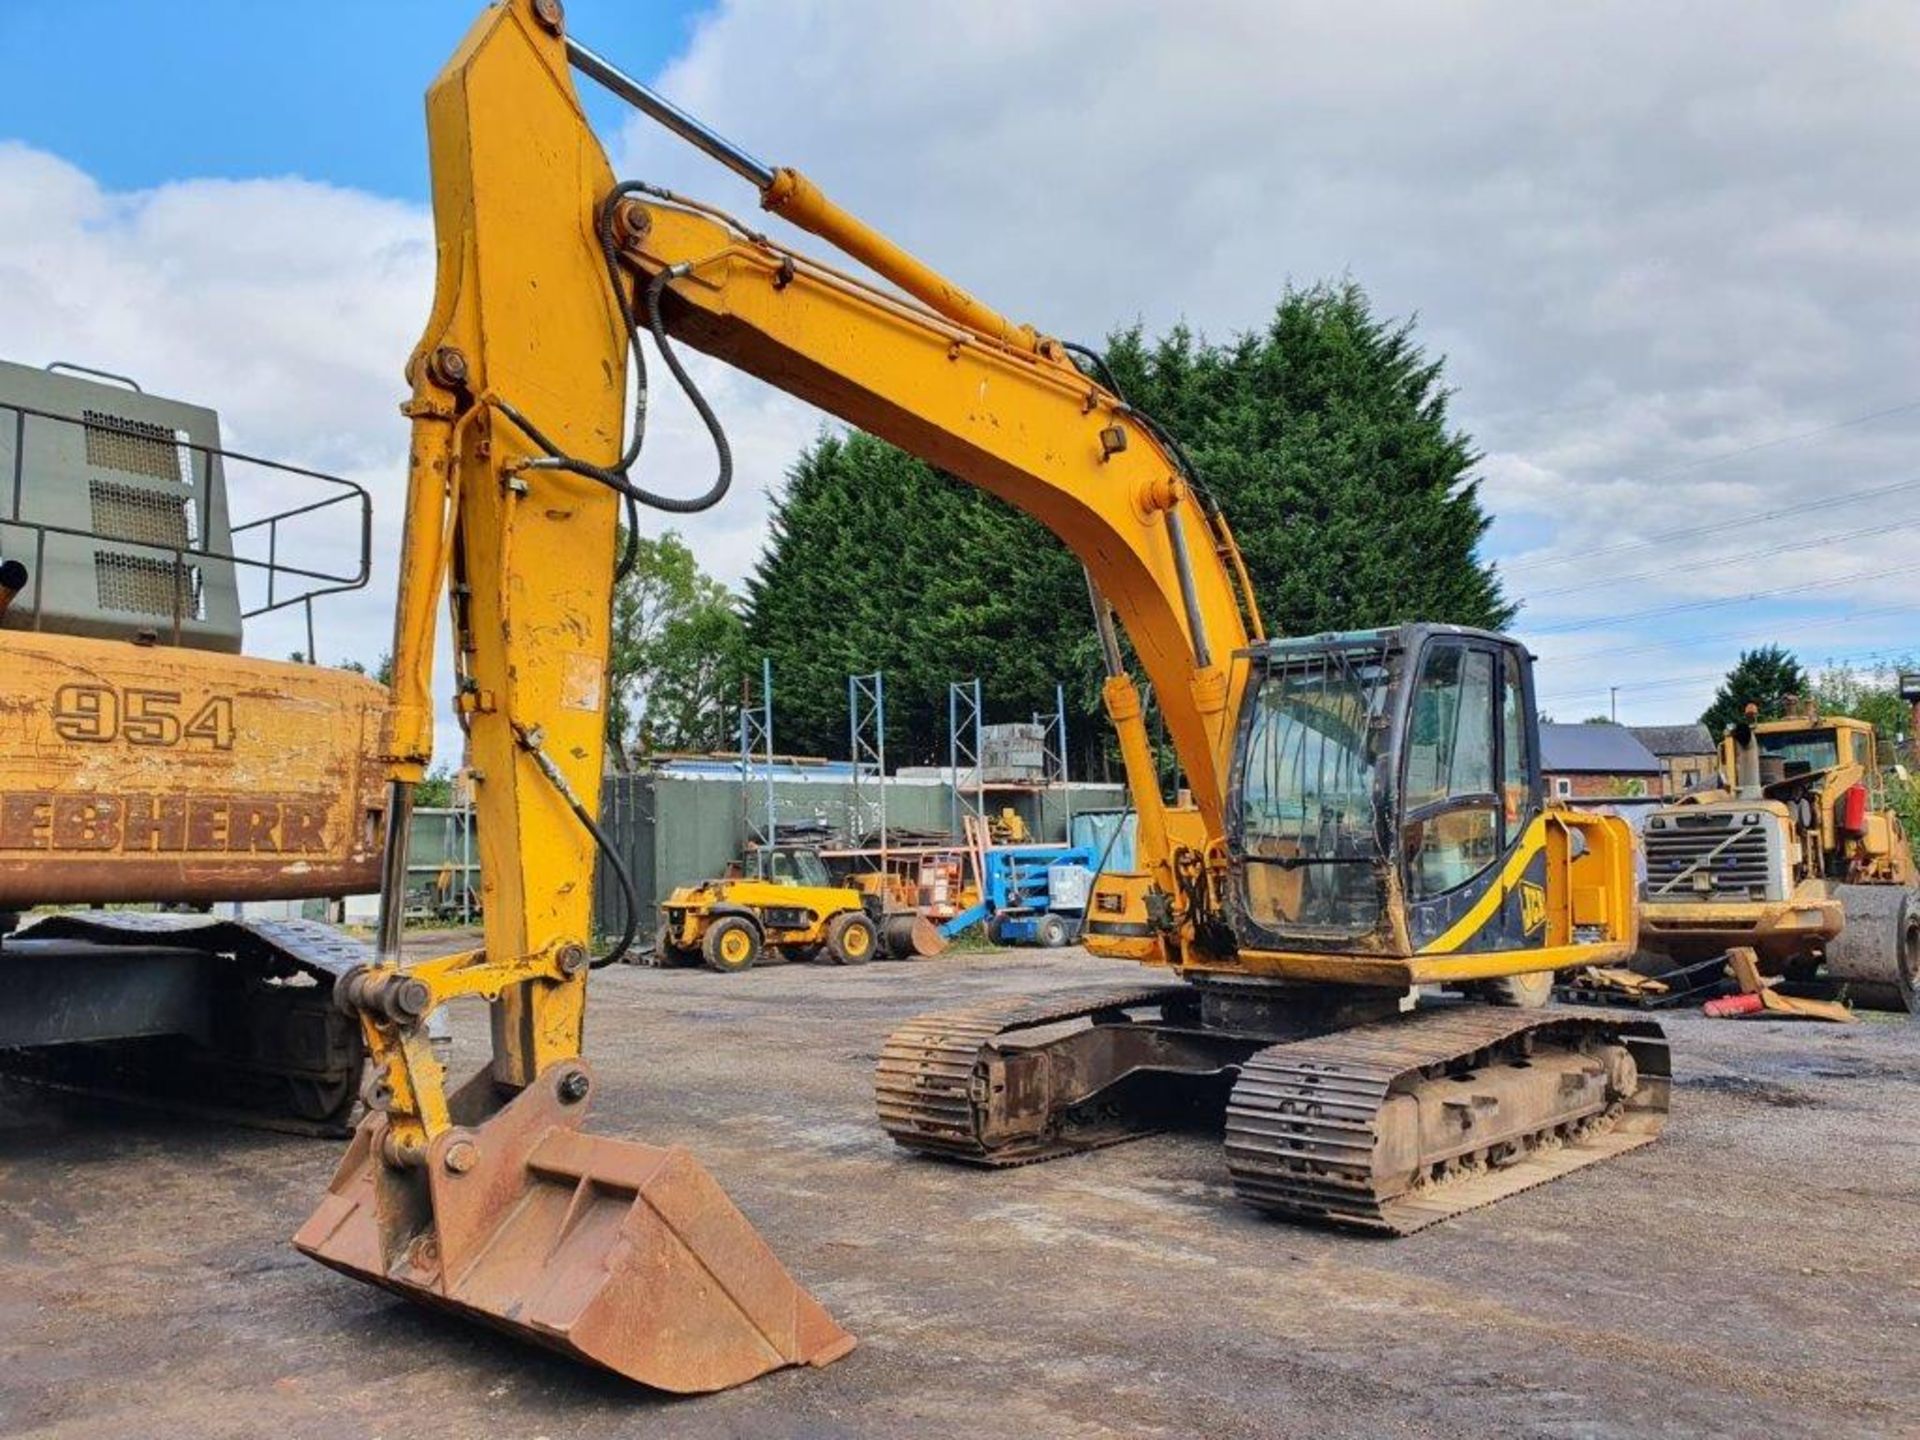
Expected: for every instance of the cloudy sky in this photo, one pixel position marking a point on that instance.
(1672, 253)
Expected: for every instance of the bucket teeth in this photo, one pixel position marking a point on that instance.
(625, 1255)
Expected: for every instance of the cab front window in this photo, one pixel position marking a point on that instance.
(1815, 749)
(1307, 843)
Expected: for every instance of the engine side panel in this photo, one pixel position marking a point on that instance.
(133, 773)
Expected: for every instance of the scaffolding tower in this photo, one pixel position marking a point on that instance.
(965, 747)
(867, 745)
(1053, 733)
(756, 754)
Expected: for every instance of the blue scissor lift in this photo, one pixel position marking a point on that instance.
(1030, 895)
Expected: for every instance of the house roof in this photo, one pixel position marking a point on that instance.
(1665, 740)
(1594, 750)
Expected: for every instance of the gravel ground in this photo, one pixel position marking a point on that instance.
(1753, 1272)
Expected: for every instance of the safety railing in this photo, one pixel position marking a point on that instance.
(186, 557)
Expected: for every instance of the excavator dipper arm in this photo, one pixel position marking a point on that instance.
(492, 1201)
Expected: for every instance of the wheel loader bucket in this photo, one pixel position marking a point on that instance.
(625, 1255)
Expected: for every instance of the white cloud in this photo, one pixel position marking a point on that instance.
(1645, 237)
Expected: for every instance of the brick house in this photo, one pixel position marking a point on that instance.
(1598, 762)
(1687, 751)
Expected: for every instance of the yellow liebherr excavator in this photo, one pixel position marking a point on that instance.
(1366, 815)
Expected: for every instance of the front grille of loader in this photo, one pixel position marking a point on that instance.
(1735, 859)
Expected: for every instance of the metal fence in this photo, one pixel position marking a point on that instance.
(672, 830)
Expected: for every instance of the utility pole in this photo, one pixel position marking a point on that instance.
(1613, 703)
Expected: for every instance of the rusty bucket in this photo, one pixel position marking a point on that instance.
(625, 1255)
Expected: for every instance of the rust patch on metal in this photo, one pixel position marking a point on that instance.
(132, 773)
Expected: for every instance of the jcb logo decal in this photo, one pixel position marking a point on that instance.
(1533, 907)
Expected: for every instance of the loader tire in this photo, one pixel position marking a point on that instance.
(731, 943)
(852, 938)
(1876, 955)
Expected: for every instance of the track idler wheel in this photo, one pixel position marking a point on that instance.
(624, 1255)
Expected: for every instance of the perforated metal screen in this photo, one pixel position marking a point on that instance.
(136, 447)
(135, 585)
(130, 512)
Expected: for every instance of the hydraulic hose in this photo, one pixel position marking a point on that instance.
(1182, 462)
(530, 741)
(618, 476)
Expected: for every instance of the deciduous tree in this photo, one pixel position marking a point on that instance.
(675, 657)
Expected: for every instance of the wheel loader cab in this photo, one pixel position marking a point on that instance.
(1384, 785)
(786, 865)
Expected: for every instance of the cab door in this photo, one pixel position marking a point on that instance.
(1469, 792)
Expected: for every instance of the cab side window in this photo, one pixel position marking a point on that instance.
(1516, 742)
(1452, 829)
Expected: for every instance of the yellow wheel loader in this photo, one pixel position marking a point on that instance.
(782, 901)
(1366, 816)
(1795, 856)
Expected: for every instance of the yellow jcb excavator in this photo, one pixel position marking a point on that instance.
(1367, 812)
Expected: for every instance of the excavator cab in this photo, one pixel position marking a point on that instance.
(1385, 825)
(1379, 780)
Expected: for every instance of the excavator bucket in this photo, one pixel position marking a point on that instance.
(624, 1255)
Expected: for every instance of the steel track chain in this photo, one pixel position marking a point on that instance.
(1302, 1121)
(312, 1092)
(924, 1081)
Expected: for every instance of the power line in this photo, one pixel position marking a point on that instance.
(1690, 605)
(1882, 528)
(1744, 635)
(1848, 661)
(1718, 527)
(1815, 434)
(1707, 676)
